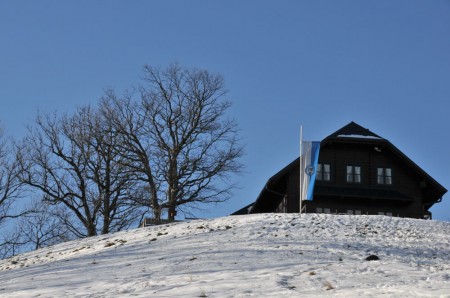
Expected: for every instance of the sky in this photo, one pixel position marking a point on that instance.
(286, 64)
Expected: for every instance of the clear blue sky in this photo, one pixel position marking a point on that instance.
(320, 64)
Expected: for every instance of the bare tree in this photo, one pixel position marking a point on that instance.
(10, 245)
(40, 227)
(114, 181)
(10, 185)
(72, 162)
(178, 137)
(11, 190)
(137, 149)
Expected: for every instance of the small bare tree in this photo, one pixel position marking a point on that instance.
(40, 227)
(179, 138)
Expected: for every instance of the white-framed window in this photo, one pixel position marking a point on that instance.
(323, 172)
(319, 210)
(353, 174)
(327, 210)
(384, 176)
(358, 212)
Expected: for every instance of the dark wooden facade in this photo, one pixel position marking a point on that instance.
(365, 174)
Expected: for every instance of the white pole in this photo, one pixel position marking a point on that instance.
(300, 168)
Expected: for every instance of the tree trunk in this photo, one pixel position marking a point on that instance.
(106, 223)
(172, 212)
(91, 230)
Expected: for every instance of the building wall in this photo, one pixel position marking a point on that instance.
(293, 191)
(339, 155)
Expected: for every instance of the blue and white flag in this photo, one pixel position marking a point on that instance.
(309, 158)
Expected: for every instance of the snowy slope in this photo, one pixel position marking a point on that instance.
(267, 255)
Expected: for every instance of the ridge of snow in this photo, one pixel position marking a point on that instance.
(270, 255)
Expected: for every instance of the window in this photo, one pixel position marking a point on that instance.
(319, 210)
(323, 172)
(384, 176)
(353, 174)
(326, 210)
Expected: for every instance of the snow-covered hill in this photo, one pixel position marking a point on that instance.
(267, 255)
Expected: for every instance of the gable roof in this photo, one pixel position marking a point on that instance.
(353, 130)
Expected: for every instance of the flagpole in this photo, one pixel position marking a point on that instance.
(300, 169)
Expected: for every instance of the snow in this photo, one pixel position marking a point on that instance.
(359, 136)
(265, 255)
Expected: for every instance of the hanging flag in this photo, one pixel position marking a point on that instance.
(309, 158)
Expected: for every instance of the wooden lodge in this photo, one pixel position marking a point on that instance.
(358, 172)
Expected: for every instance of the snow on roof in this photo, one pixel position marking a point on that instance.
(358, 136)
